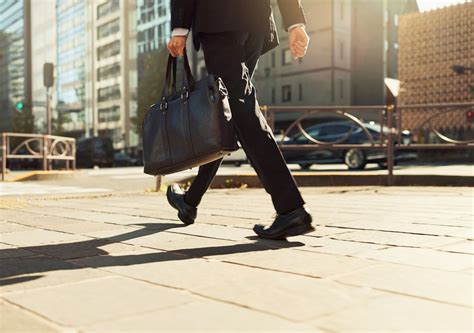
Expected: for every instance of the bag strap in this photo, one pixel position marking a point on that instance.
(170, 79)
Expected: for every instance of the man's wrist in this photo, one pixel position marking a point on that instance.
(297, 25)
(183, 32)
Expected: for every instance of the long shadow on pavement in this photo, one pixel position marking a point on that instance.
(52, 257)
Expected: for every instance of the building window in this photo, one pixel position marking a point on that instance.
(286, 57)
(108, 29)
(108, 50)
(107, 72)
(107, 8)
(109, 114)
(286, 93)
(300, 91)
(109, 93)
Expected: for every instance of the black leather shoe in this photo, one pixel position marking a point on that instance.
(294, 223)
(186, 212)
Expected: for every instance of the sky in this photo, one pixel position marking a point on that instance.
(425, 5)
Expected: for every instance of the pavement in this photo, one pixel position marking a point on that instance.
(132, 179)
(381, 259)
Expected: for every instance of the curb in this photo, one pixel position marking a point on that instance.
(306, 180)
(42, 175)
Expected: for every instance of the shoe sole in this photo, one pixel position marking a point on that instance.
(294, 231)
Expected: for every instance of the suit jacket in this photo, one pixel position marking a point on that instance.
(235, 15)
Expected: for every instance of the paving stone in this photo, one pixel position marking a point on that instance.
(298, 297)
(98, 300)
(7, 227)
(422, 258)
(399, 313)
(459, 247)
(318, 265)
(333, 246)
(40, 271)
(15, 319)
(10, 252)
(39, 237)
(204, 316)
(216, 231)
(394, 238)
(403, 226)
(449, 287)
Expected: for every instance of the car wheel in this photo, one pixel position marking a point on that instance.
(355, 159)
(305, 166)
(382, 165)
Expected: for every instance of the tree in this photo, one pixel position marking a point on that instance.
(23, 121)
(151, 80)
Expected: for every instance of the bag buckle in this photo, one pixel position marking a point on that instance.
(185, 93)
(163, 104)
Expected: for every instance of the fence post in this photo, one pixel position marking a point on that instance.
(45, 153)
(4, 155)
(390, 148)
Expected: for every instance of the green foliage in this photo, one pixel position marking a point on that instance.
(151, 79)
(23, 121)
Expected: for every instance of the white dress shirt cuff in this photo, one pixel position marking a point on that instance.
(295, 26)
(179, 32)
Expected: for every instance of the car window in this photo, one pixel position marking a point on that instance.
(336, 129)
(314, 132)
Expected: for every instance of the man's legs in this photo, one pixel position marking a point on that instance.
(233, 57)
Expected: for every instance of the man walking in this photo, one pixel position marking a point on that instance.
(233, 34)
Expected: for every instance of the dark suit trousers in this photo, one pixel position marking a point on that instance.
(233, 56)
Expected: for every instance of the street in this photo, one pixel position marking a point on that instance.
(382, 258)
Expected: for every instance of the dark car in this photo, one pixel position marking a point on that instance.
(94, 151)
(122, 159)
(342, 132)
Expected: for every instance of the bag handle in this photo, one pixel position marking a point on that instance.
(170, 78)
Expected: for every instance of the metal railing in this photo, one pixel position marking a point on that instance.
(46, 148)
(389, 118)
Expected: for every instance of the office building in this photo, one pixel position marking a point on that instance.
(15, 60)
(111, 70)
(353, 48)
(70, 67)
(431, 43)
(43, 46)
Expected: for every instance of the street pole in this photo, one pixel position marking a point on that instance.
(48, 111)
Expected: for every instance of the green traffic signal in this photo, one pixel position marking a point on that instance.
(19, 106)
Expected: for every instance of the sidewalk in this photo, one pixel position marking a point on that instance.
(381, 259)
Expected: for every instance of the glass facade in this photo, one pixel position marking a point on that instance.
(153, 24)
(71, 46)
(13, 60)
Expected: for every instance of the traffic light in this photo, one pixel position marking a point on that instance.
(470, 115)
(19, 106)
(48, 75)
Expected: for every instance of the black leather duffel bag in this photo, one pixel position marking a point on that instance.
(187, 127)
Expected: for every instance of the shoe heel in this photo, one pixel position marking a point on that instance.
(184, 219)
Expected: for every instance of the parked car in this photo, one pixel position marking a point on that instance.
(94, 151)
(236, 158)
(122, 159)
(342, 132)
